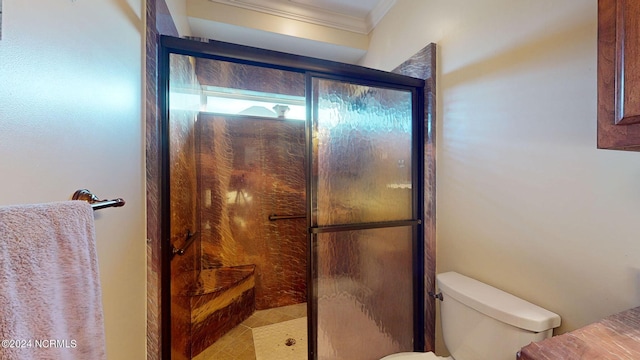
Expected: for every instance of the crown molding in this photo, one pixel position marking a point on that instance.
(315, 15)
(381, 9)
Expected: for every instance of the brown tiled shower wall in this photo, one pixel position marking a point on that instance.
(251, 168)
(228, 174)
(422, 65)
(158, 21)
(183, 208)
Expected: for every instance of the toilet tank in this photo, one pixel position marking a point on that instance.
(480, 322)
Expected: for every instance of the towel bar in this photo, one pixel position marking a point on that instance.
(96, 203)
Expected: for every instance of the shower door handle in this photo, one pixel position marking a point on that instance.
(274, 217)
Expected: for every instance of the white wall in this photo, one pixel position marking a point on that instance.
(222, 22)
(525, 201)
(178, 10)
(70, 118)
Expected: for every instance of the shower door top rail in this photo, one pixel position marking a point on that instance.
(275, 59)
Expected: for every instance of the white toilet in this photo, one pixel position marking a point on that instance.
(480, 322)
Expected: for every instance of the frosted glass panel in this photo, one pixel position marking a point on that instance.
(364, 289)
(362, 146)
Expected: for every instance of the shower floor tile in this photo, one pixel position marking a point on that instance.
(282, 341)
(238, 344)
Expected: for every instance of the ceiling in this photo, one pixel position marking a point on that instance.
(356, 16)
(360, 8)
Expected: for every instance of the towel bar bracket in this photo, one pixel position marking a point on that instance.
(96, 203)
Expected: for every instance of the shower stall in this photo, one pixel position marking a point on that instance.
(291, 180)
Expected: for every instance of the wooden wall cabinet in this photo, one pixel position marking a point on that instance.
(619, 74)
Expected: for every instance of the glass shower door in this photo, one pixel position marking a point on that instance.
(364, 218)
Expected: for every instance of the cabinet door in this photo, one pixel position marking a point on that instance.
(618, 74)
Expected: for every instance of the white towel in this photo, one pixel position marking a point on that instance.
(50, 296)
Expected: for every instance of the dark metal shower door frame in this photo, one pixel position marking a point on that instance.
(312, 67)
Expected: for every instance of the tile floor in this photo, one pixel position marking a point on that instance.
(237, 344)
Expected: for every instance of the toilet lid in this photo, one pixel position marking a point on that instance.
(415, 356)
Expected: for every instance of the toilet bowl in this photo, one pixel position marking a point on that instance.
(480, 322)
(416, 356)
